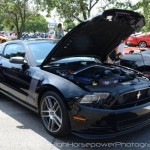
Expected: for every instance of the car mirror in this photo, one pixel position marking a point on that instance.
(17, 60)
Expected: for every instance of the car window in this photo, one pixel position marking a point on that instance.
(41, 50)
(13, 50)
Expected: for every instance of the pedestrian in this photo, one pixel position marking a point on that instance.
(121, 47)
(115, 56)
(59, 33)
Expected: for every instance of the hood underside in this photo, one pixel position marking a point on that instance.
(98, 36)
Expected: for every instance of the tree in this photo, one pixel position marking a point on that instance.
(72, 9)
(2, 17)
(81, 9)
(69, 24)
(17, 13)
(143, 7)
(37, 23)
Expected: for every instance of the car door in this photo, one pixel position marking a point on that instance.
(15, 79)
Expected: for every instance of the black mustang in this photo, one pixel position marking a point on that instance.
(69, 84)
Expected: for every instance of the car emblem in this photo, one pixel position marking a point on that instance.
(138, 95)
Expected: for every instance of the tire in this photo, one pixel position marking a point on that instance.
(54, 114)
(142, 44)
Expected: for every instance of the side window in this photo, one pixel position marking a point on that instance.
(13, 50)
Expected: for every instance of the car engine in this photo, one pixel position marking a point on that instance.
(97, 74)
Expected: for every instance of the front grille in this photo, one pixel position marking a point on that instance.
(137, 95)
(133, 99)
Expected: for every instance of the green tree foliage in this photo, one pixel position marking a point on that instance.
(71, 9)
(143, 6)
(37, 23)
(69, 24)
(17, 13)
(2, 18)
(81, 9)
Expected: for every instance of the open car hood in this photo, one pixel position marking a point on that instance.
(97, 36)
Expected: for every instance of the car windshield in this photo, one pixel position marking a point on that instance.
(40, 50)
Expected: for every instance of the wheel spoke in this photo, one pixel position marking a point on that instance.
(49, 103)
(57, 108)
(45, 111)
(54, 105)
(45, 116)
(52, 125)
(57, 120)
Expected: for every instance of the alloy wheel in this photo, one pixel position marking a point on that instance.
(51, 114)
(142, 44)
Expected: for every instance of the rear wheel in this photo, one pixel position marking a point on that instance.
(142, 44)
(54, 114)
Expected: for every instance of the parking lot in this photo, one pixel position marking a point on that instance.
(21, 129)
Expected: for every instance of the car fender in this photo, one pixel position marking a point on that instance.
(67, 88)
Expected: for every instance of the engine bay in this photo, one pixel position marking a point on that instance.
(88, 73)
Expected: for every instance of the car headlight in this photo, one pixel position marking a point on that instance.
(96, 97)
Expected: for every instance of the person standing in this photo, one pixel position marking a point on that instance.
(121, 47)
(115, 56)
(59, 33)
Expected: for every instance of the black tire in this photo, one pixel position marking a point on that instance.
(65, 128)
(142, 44)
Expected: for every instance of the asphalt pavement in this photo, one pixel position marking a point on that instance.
(21, 129)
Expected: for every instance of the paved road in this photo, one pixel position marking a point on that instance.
(21, 129)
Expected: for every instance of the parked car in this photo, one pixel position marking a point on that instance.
(3, 39)
(139, 61)
(25, 36)
(69, 84)
(13, 35)
(141, 40)
(130, 50)
(3, 35)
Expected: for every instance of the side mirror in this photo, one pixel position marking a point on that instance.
(17, 60)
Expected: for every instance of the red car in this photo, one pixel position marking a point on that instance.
(141, 40)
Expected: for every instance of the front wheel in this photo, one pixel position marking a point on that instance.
(142, 44)
(54, 114)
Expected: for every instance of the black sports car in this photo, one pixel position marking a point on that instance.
(138, 61)
(69, 84)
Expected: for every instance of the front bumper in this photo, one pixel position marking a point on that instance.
(105, 123)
